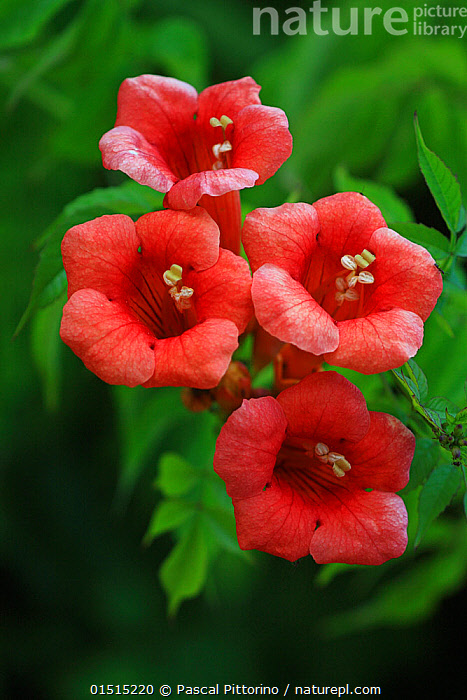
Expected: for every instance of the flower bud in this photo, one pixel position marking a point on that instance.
(234, 386)
(196, 400)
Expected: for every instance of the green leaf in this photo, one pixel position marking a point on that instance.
(179, 46)
(130, 198)
(443, 323)
(429, 238)
(415, 592)
(145, 417)
(47, 350)
(168, 515)
(265, 377)
(329, 572)
(441, 182)
(222, 525)
(461, 417)
(54, 53)
(435, 496)
(22, 21)
(176, 476)
(418, 377)
(440, 405)
(461, 246)
(391, 205)
(183, 573)
(426, 457)
(409, 381)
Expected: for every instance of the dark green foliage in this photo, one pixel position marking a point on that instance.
(80, 460)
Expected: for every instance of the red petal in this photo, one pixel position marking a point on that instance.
(227, 213)
(127, 150)
(186, 193)
(261, 141)
(277, 521)
(360, 528)
(227, 98)
(224, 291)
(382, 459)
(198, 358)
(112, 343)
(325, 406)
(284, 236)
(377, 343)
(286, 310)
(247, 446)
(405, 274)
(186, 238)
(347, 221)
(99, 254)
(162, 110)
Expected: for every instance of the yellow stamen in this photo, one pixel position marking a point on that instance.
(172, 276)
(365, 259)
(337, 461)
(369, 257)
(345, 285)
(225, 121)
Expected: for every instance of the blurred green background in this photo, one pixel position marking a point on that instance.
(84, 604)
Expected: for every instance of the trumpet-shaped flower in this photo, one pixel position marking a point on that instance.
(314, 472)
(197, 148)
(155, 302)
(334, 281)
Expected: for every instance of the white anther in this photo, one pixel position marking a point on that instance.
(334, 457)
(339, 297)
(218, 165)
(351, 280)
(321, 449)
(186, 292)
(219, 148)
(225, 147)
(341, 284)
(351, 295)
(215, 122)
(348, 261)
(365, 277)
(182, 297)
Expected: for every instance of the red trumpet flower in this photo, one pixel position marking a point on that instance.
(333, 280)
(197, 148)
(314, 472)
(155, 302)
